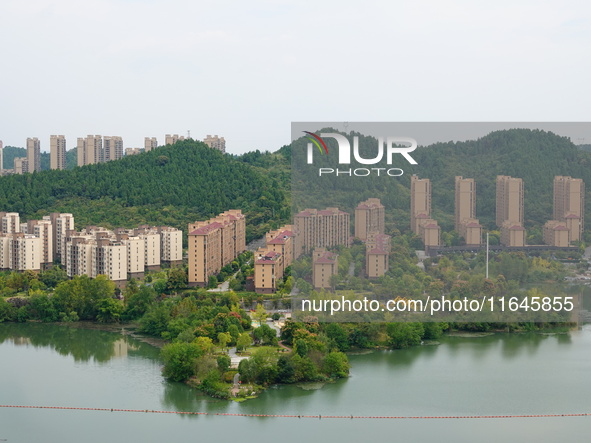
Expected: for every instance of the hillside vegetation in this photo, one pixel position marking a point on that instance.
(171, 185)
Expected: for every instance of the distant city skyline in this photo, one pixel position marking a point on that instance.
(248, 69)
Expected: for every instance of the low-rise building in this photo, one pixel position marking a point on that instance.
(377, 254)
(556, 233)
(268, 270)
(324, 265)
(512, 234)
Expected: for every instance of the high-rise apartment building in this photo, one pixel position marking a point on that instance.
(509, 200)
(90, 150)
(109, 257)
(150, 143)
(61, 223)
(24, 252)
(172, 139)
(57, 152)
(569, 204)
(510, 210)
(320, 229)
(420, 201)
(171, 244)
(215, 142)
(151, 237)
(33, 155)
(132, 151)
(215, 243)
(466, 223)
(369, 217)
(43, 230)
(21, 165)
(465, 200)
(112, 148)
(11, 222)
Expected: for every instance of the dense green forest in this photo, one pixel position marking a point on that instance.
(172, 185)
(533, 155)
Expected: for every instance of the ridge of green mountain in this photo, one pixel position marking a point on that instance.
(171, 185)
(535, 156)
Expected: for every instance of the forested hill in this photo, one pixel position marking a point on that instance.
(533, 155)
(172, 185)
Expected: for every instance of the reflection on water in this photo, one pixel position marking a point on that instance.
(82, 344)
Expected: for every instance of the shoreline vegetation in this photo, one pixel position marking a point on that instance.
(206, 338)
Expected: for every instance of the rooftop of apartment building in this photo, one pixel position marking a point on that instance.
(370, 203)
(327, 211)
(267, 258)
(326, 257)
(281, 238)
(207, 229)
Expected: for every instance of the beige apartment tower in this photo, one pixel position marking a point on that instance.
(509, 200)
(420, 201)
(89, 150)
(466, 223)
(215, 243)
(171, 139)
(215, 142)
(112, 148)
(57, 152)
(369, 217)
(320, 229)
(465, 201)
(33, 155)
(150, 143)
(21, 165)
(569, 204)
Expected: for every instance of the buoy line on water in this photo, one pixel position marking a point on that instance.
(318, 416)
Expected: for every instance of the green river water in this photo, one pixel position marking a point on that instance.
(498, 374)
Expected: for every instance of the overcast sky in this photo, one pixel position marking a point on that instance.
(246, 70)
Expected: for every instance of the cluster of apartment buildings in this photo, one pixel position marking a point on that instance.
(122, 253)
(271, 260)
(316, 230)
(566, 226)
(213, 244)
(90, 150)
(119, 254)
(33, 245)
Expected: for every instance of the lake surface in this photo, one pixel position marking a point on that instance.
(500, 374)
